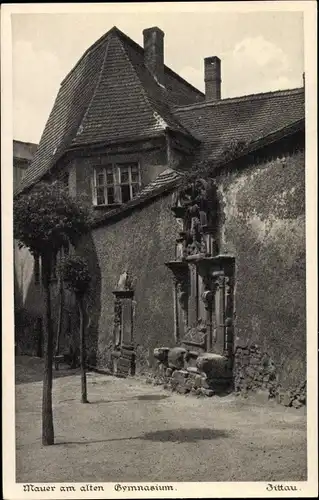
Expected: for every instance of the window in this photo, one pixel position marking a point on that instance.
(116, 183)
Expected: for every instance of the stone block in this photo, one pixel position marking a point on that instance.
(208, 392)
(182, 389)
(198, 381)
(213, 364)
(285, 399)
(169, 372)
(192, 369)
(180, 376)
(196, 391)
(176, 358)
(122, 362)
(205, 383)
(189, 384)
(297, 403)
(254, 360)
(250, 372)
(161, 354)
(128, 355)
(161, 370)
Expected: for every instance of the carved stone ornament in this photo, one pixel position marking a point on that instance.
(125, 282)
(197, 206)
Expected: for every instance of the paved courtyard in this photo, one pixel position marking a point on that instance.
(133, 431)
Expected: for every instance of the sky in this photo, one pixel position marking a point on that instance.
(259, 52)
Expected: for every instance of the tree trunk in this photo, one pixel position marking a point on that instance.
(82, 351)
(60, 319)
(47, 416)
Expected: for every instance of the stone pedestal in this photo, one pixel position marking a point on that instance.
(123, 355)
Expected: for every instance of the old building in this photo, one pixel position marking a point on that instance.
(23, 153)
(218, 266)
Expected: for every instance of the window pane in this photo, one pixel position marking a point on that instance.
(110, 195)
(100, 199)
(100, 179)
(135, 189)
(109, 175)
(124, 175)
(135, 174)
(109, 178)
(125, 192)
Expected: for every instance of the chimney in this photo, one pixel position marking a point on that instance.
(212, 78)
(154, 52)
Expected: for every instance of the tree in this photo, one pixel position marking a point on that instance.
(45, 219)
(76, 275)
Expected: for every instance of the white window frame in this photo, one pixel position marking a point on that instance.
(117, 184)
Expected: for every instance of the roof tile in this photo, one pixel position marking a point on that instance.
(109, 96)
(245, 119)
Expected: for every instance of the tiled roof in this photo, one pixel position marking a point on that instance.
(170, 179)
(163, 179)
(243, 119)
(108, 97)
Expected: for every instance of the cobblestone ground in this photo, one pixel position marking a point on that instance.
(132, 431)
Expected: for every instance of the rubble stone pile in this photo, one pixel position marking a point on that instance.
(186, 371)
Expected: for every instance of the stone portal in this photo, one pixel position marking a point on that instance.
(123, 354)
(203, 287)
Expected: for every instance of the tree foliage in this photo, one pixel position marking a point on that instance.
(46, 218)
(76, 274)
(204, 169)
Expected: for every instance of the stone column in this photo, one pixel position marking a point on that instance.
(180, 289)
(193, 299)
(220, 312)
(207, 298)
(229, 316)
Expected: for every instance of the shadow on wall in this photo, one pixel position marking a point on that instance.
(93, 299)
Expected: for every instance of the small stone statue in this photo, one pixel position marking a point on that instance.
(125, 282)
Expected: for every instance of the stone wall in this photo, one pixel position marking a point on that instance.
(256, 371)
(263, 227)
(141, 243)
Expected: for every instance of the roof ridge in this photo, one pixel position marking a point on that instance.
(90, 49)
(136, 46)
(166, 68)
(144, 93)
(248, 97)
(93, 93)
